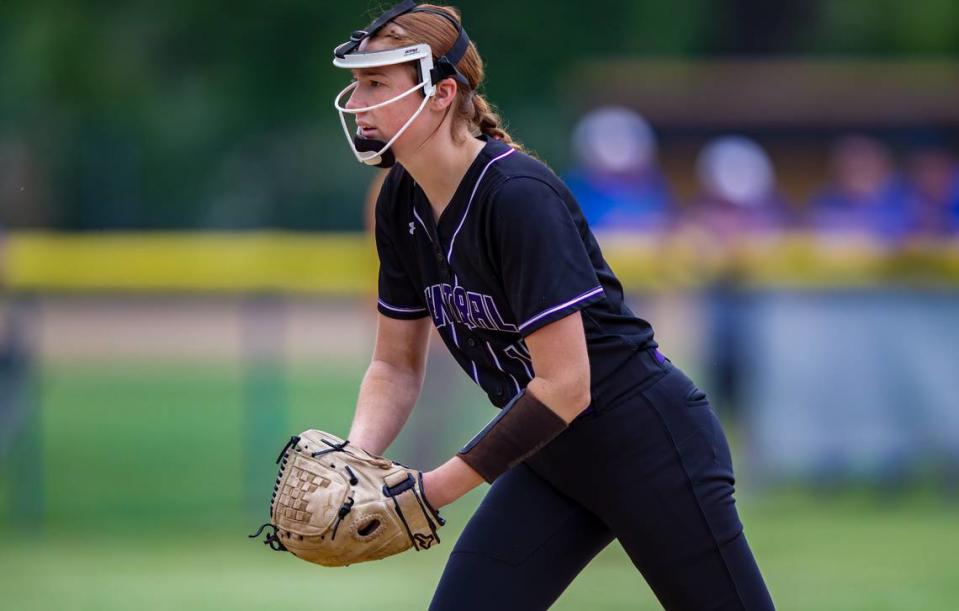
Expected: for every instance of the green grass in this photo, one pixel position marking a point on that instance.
(147, 495)
(815, 555)
(856, 551)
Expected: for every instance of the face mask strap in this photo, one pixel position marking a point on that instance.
(360, 35)
(446, 65)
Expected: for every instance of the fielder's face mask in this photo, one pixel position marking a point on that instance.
(377, 152)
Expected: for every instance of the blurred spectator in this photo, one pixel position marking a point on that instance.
(617, 180)
(865, 194)
(932, 176)
(737, 196)
(737, 191)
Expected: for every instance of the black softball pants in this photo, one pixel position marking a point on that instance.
(652, 469)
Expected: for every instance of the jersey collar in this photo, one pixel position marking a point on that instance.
(452, 214)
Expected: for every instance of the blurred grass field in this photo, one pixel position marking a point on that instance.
(145, 507)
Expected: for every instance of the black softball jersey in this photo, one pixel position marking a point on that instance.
(510, 254)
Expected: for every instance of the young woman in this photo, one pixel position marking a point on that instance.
(600, 437)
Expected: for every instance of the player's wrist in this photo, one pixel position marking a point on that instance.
(368, 440)
(431, 490)
(449, 482)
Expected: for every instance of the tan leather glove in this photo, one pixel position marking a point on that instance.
(335, 504)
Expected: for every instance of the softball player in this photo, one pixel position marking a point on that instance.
(600, 436)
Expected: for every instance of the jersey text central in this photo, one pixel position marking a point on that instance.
(454, 303)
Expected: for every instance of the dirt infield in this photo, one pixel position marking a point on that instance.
(192, 328)
(221, 329)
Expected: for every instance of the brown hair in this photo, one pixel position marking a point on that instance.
(436, 31)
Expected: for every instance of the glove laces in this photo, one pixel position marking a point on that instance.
(272, 539)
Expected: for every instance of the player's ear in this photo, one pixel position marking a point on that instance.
(445, 94)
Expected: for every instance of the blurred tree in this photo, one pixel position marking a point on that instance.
(214, 114)
(883, 27)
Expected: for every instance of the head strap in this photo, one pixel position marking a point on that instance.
(444, 67)
(360, 35)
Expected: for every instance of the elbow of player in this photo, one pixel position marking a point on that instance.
(567, 395)
(582, 400)
(576, 396)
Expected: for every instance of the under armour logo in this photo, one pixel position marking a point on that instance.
(423, 541)
(412, 227)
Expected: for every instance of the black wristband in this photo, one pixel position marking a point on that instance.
(522, 427)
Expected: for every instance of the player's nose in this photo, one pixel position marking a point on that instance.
(355, 100)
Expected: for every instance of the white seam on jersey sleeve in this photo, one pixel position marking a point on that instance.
(396, 309)
(578, 298)
(449, 254)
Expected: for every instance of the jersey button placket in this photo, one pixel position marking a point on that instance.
(470, 342)
(442, 265)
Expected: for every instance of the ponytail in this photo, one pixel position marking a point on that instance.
(484, 120)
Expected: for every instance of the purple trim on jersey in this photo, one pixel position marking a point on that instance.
(449, 255)
(500, 367)
(514, 353)
(396, 309)
(456, 341)
(416, 214)
(578, 298)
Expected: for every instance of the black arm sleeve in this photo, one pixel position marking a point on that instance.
(398, 297)
(543, 262)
